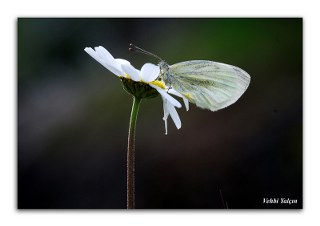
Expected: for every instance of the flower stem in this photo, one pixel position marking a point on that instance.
(131, 153)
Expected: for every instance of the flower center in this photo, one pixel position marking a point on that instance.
(159, 84)
(138, 89)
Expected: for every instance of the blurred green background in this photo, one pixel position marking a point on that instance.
(73, 116)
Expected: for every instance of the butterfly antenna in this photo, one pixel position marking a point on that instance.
(135, 48)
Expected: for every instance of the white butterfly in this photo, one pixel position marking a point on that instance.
(207, 84)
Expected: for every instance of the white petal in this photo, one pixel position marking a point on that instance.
(167, 96)
(131, 71)
(174, 115)
(122, 61)
(93, 54)
(116, 71)
(149, 72)
(105, 55)
(166, 125)
(186, 103)
(169, 109)
(109, 59)
(103, 58)
(185, 100)
(165, 114)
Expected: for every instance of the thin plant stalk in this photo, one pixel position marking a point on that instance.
(131, 154)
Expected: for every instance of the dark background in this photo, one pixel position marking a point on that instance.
(73, 116)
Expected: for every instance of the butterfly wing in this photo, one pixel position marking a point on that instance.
(209, 84)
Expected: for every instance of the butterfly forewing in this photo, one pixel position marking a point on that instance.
(209, 84)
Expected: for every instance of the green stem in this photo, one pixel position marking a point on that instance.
(131, 153)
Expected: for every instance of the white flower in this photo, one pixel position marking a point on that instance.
(147, 75)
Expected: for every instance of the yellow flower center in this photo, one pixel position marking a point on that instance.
(159, 84)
